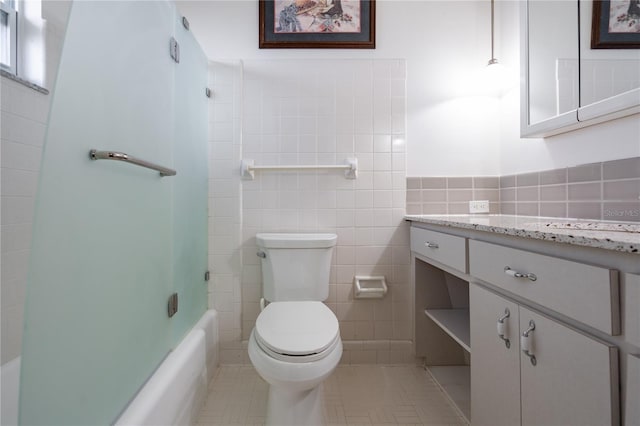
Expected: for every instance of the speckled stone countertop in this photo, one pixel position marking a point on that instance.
(617, 236)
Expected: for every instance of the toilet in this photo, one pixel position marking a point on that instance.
(295, 344)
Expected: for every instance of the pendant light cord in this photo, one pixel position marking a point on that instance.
(493, 60)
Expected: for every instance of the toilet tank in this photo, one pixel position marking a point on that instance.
(295, 266)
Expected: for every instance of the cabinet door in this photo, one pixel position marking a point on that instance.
(495, 369)
(575, 379)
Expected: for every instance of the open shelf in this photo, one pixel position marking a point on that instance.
(455, 322)
(442, 331)
(455, 382)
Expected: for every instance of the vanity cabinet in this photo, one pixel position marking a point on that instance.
(537, 371)
(526, 332)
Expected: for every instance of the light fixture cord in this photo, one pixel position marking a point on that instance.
(492, 55)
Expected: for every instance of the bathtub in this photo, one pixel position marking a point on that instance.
(177, 390)
(9, 391)
(173, 395)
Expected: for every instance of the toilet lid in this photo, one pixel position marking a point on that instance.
(297, 328)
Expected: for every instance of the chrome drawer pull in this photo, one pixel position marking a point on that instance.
(431, 245)
(525, 343)
(512, 273)
(502, 327)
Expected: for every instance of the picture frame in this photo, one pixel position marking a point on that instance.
(317, 24)
(615, 24)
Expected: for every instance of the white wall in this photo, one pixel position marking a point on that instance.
(451, 128)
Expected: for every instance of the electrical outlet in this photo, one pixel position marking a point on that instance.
(479, 206)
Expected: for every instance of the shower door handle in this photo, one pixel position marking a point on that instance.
(121, 156)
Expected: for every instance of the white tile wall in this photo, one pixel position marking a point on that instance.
(23, 122)
(225, 206)
(312, 112)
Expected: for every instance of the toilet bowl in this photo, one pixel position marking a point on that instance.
(295, 344)
(294, 347)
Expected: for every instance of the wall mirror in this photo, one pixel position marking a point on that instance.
(566, 84)
(609, 78)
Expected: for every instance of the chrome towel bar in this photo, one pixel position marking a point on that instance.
(121, 156)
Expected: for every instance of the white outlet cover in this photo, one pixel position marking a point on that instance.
(479, 206)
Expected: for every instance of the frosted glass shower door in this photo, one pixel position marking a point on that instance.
(103, 262)
(190, 188)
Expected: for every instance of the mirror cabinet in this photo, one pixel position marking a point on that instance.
(566, 84)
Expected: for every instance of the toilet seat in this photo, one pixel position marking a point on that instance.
(297, 331)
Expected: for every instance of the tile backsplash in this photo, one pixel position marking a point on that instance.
(603, 191)
(451, 195)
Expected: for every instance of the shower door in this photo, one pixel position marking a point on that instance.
(190, 189)
(107, 247)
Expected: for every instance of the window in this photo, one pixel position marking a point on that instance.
(22, 47)
(8, 36)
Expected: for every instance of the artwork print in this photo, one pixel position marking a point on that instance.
(624, 16)
(616, 24)
(317, 24)
(317, 16)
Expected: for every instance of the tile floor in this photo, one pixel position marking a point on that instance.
(354, 395)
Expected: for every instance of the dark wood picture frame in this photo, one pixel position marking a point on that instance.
(601, 38)
(272, 39)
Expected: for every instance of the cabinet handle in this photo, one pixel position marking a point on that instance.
(513, 273)
(502, 327)
(431, 245)
(525, 343)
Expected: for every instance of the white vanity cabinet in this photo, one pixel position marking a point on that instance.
(538, 371)
(527, 332)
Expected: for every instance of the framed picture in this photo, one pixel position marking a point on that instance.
(616, 24)
(324, 24)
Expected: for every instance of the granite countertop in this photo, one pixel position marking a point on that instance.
(617, 236)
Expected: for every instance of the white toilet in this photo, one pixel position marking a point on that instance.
(295, 344)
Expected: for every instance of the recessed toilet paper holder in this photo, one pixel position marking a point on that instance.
(366, 287)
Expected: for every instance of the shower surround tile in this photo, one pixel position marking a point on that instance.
(24, 115)
(225, 231)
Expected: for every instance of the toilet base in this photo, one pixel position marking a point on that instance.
(286, 407)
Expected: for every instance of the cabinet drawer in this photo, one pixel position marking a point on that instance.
(586, 293)
(444, 248)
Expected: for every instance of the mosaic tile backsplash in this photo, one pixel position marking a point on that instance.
(603, 191)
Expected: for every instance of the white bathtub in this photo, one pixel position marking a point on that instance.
(9, 391)
(174, 394)
(177, 390)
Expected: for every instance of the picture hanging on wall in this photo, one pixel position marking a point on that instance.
(616, 24)
(324, 24)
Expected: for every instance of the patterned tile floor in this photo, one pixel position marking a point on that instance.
(353, 395)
